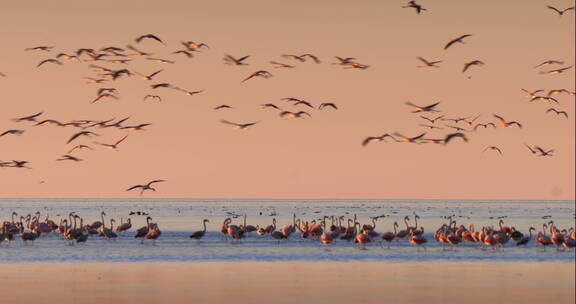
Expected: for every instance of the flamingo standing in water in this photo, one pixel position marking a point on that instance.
(247, 228)
(286, 230)
(526, 239)
(224, 227)
(361, 238)
(326, 238)
(153, 233)
(389, 236)
(199, 234)
(143, 231)
(418, 240)
(542, 239)
(124, 226)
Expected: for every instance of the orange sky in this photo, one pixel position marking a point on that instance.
(320, 157)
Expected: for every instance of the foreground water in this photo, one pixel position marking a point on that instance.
(178, 218)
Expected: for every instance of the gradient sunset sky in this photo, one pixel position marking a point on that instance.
(317, 157)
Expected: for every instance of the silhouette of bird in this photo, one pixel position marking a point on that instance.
(103, 96)
(327, 104)
(13, 131)
(224, 106)
(278, 65)
(184, 52)
(471, 63)
(506, 123)
(145, 187)
(547, 111)
(136, 127)
(432, 121)
(409, 139)
(161, 85)
(493, 148)
(270, 105)
(79, 147)
(148, 36)
(344, 61)
(413, 4)
(484, 125)
(137, 52)
(261, 73)
(81, 133)
(557, 71)
(548, 62)
(299, 114)
(380, 138)
(156, 97)
(428, 64)
(560, 12)
(428, 108)
(456, 40)
(48, 61)
(113, 146)
(451, 136)
(544, 99)
(544, 152)
(49, 122)
(69, 157)
(160, 60)
(304, 102)
(149, 77)
(531, 94)
(239, 126)
(40, 48)
(194, 46)
(229, 60)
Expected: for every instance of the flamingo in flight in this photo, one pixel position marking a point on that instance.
(451, 136)
(409, 139)
(148, 36)
(380, 138)
(456, 40)
(230, 60)
(113, 146)
(508, 123)
(145, 187)
(548, 62)
(547, 111)
(260, 73)
(560, 12)
(428, 108)
(239, 126)
(494, 148)
(428, 64)
(413, 4)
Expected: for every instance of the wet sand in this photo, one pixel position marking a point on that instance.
(287, 282)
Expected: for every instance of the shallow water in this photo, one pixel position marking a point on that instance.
(178, 218)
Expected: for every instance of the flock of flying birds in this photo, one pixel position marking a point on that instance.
(102, 62)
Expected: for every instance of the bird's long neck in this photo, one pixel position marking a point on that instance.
(416, 222)
(205, 226)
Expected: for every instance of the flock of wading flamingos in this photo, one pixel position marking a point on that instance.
(74, 230)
